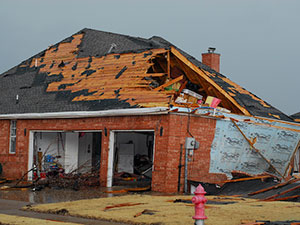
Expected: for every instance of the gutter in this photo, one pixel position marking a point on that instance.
(87, 114)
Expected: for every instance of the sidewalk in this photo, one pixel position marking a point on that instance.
(11, 207)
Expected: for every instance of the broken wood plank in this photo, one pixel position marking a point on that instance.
(245, 179)
(180, 89)
(282, 193)
(155, 74)
(273, 187)
(169, 83)
(286, 198)
(292, 159)
(169, 65)
(146, 211)
(255, 149)
(121, 205)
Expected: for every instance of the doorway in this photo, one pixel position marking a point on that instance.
(132, 162)
(75, 152)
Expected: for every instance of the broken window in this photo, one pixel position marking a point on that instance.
(13, 136)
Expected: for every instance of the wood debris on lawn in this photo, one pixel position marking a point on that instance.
(168, 212)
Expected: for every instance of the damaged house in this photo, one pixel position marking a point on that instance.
(116, 104)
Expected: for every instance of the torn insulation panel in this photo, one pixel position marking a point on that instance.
(275, 141)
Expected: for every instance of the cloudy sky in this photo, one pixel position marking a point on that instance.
(259, 40)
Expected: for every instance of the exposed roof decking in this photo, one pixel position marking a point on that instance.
(94, 70)
(296, 117)
(114, 76)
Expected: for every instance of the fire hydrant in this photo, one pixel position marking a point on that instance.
(199, 200)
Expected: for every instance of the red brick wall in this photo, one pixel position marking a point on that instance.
(203, 130)
(167, 146)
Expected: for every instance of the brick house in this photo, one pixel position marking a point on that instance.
(111, 102)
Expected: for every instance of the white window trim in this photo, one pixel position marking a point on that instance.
(13, 125)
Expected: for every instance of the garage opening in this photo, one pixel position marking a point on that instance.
(133, 159)
(74, 152)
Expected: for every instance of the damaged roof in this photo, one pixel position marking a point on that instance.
(95, 70)
(296, 117)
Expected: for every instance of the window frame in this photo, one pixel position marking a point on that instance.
(12, 136)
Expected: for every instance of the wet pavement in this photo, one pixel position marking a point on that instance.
(12, 207)
(11, 201)
(52, 195)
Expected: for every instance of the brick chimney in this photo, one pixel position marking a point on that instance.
(211, 59)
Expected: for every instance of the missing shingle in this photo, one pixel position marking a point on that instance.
(147, 54)
(117, 56)
(121, 72)
(62, 64)
(25, 87)
(88, 66)
(52, 64)
(63, 86)
(75, 66)
(88, 72)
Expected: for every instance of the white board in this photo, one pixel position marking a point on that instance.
(126, 158)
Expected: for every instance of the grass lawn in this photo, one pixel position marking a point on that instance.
(149, 209)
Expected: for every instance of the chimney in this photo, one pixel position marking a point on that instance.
(211, 59)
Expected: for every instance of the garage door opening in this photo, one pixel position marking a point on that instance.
(71, 152)
(133, 159)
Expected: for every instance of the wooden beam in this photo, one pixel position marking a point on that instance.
(169, 83)
(294, 153)
(287, 198)
(169, 64)
(246, 178)
(255, 149)
(209, 80)
(187, 73)
(156, 74)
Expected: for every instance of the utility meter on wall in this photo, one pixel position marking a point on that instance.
(191, 143)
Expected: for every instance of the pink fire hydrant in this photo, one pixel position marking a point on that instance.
(199, 200)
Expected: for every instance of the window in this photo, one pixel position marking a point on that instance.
(13, 135)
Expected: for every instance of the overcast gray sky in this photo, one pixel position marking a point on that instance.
(258, 39)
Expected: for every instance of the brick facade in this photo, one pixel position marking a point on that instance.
(174, 129)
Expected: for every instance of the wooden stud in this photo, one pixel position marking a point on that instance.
(169, 83)
(209, 80)
(169, 65)
(293, 156)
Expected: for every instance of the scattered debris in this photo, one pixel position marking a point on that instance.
(121, 205)
(61, 212)
(146, 212)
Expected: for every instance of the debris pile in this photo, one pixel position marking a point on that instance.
(263, 187)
